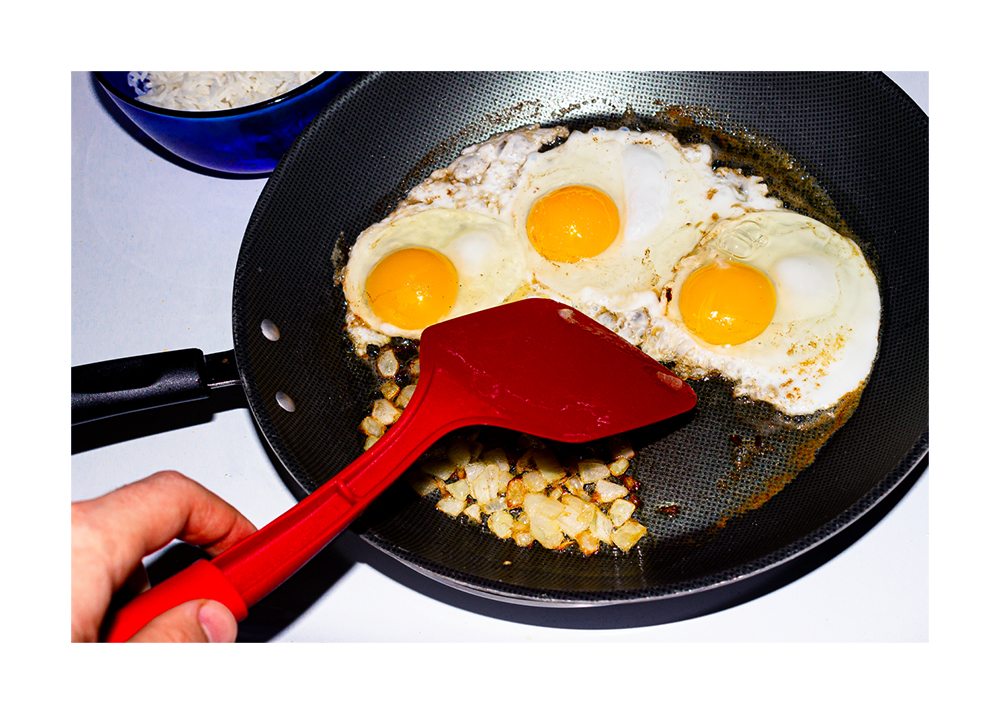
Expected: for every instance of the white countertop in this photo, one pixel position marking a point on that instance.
(154, 253)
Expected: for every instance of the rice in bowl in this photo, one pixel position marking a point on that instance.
(213, 91)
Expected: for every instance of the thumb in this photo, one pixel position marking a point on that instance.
(195, 621)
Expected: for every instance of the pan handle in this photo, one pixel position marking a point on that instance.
(122, 386)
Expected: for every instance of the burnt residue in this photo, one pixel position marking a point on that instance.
(745, 450)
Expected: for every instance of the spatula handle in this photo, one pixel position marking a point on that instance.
(252, 568)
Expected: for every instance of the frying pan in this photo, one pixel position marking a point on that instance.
(861, 138)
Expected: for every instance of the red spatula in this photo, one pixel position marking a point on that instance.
(534, 366)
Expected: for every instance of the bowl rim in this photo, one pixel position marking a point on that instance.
(314, 83)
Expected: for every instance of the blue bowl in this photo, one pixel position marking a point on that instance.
(247, 140)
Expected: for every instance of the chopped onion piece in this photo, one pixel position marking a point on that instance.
(573, 520)
(575, 486)
(619, 467)
(497, 504)
(589, 514)
(479, 482)
(546, 531)
(516, 491)
(607, 492)
(498, 457)
(498, 479)
(501, 523)
(384, 413)
(628, 534)
(602, 527)
(372, 426)
(523, 538)
(387, 364)
(588, 543)
(451, 506)
(458, 489)
(620, 511)
(548, 465)
(541, 506)
(592, 470)
(534, 481)
(405, 394)
(389, 390)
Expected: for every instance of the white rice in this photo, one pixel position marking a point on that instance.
(212, 91)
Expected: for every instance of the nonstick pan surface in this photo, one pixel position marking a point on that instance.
(858, 135)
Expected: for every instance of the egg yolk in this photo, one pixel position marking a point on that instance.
(412, 288)
(572, 222)
(727, 303)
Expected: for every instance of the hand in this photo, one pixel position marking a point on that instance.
(111, 534)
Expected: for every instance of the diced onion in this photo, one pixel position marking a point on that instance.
(620, 511)
(451, 506)
(405, 394)
(384, 412)
(608, 492)
(516, 491)
(592, 470)
(372, 426)
(628, 534)
(459, 489)
(619, 467)
(501, 523)
(534, 481)
(387, 364)
(556, 506)
(389, 390)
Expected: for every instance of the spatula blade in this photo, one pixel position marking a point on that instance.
(549, 370)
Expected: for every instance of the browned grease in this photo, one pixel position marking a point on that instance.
(802, 455)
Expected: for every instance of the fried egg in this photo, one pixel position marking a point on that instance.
(781, 305)
(418, 269)
(696, 266)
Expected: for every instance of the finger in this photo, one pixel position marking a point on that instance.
(195, 621)
(142, 517)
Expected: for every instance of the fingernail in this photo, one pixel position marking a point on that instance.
(217, 622)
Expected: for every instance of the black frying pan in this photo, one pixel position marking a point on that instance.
(861, 138)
